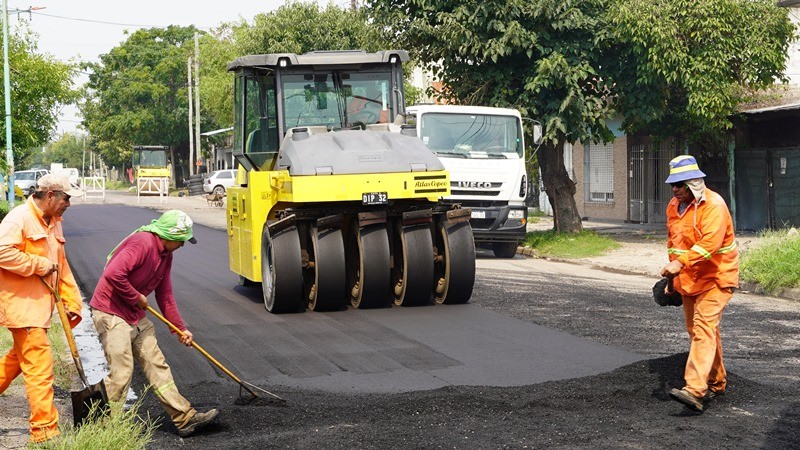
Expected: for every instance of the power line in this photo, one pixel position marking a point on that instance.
(105, 22)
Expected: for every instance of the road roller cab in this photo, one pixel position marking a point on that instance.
(331, 207)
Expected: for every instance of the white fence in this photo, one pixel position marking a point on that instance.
(153, 186)
(94, 188)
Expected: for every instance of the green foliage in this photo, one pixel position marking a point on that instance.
(39, 85)
(67, 150)
(773, 264)
(122, 429)
(292, 28)
(686, 65)
(541, 57)
(3, 208)
(137, 94)
(569, 245)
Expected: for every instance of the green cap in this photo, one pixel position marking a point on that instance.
(173, 225)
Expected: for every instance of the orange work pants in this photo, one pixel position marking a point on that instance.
(704, 368)
(31, 356)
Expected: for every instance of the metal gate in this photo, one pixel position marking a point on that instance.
(767, 188)
(648, 193)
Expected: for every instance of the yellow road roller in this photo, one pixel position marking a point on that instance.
(337, 202)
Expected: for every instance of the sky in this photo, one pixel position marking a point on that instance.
(81, 30)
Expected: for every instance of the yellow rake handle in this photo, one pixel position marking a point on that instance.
(201, 350)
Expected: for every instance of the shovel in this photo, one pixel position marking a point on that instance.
(92, 398)
(247, 386)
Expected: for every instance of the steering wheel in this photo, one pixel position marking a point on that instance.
(364, 116)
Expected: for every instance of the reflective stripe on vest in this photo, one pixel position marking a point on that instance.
(702, 251)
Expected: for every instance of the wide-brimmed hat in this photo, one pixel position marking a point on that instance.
(684, 168)
(57, 182)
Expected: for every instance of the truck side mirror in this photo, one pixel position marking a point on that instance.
(537, 133)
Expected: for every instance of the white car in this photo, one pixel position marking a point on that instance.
(218, 181)
(26, 179)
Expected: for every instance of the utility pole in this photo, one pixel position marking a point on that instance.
(7, 93)
(197, 96)
(191, 113)
(7, 88)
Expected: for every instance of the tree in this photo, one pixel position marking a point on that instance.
(137, 94)
(541, 57)
(39, 85)
(683, 67)
(292, 28)
(674, 66)
(68, 150)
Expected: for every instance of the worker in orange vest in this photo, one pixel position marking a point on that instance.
(32, 246)
(704, 267)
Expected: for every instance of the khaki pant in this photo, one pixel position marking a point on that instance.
(123, 343)
(31, 356)
(704, 368)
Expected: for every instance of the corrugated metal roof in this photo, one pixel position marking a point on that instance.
(787, 107)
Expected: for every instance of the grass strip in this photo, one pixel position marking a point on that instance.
(569, 245)
(773, 264)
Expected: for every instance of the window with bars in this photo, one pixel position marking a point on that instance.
(598, 172)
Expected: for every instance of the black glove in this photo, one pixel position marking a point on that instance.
(664, 299)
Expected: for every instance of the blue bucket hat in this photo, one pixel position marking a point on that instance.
(683, 168)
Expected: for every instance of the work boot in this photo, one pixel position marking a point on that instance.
(715, 394)
(685, 397)
(197, 422)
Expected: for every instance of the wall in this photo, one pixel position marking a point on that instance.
(617, 210)
(793, 59)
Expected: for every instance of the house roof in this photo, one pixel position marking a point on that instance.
(788, 2)
(786, 107)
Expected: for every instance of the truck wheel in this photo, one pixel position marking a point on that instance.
(281, 271)
(454, 268)
(504, 249)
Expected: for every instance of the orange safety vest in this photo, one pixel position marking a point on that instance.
(702, 239)
(27, 245)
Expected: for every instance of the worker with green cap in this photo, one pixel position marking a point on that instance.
(139, 265)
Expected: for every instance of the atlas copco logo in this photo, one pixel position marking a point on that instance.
(473, 184)
(429, 184)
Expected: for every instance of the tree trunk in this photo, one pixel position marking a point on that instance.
(559, 188)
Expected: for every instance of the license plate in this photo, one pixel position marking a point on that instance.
(478, 214)
(374, 198)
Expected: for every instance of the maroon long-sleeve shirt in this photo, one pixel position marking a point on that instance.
(139, 265)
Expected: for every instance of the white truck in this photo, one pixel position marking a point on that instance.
(484, 150)
(71, 172)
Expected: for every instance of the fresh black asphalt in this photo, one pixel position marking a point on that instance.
(388, 350)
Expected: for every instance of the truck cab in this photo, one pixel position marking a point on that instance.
(484, 150)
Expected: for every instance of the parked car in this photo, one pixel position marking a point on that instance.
(26, 179)
(218, 181)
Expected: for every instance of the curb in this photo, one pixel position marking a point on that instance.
(744, 286)
(755, 288)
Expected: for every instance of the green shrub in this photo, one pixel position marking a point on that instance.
(3, 209)
(773, 264)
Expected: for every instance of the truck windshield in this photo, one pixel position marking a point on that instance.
(150, 158)
(336, 99)
(472, 135)
(29, 176)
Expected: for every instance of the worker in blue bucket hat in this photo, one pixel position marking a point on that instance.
(704, 268)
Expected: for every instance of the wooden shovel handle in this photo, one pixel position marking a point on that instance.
(201, 350)
(62, 314)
